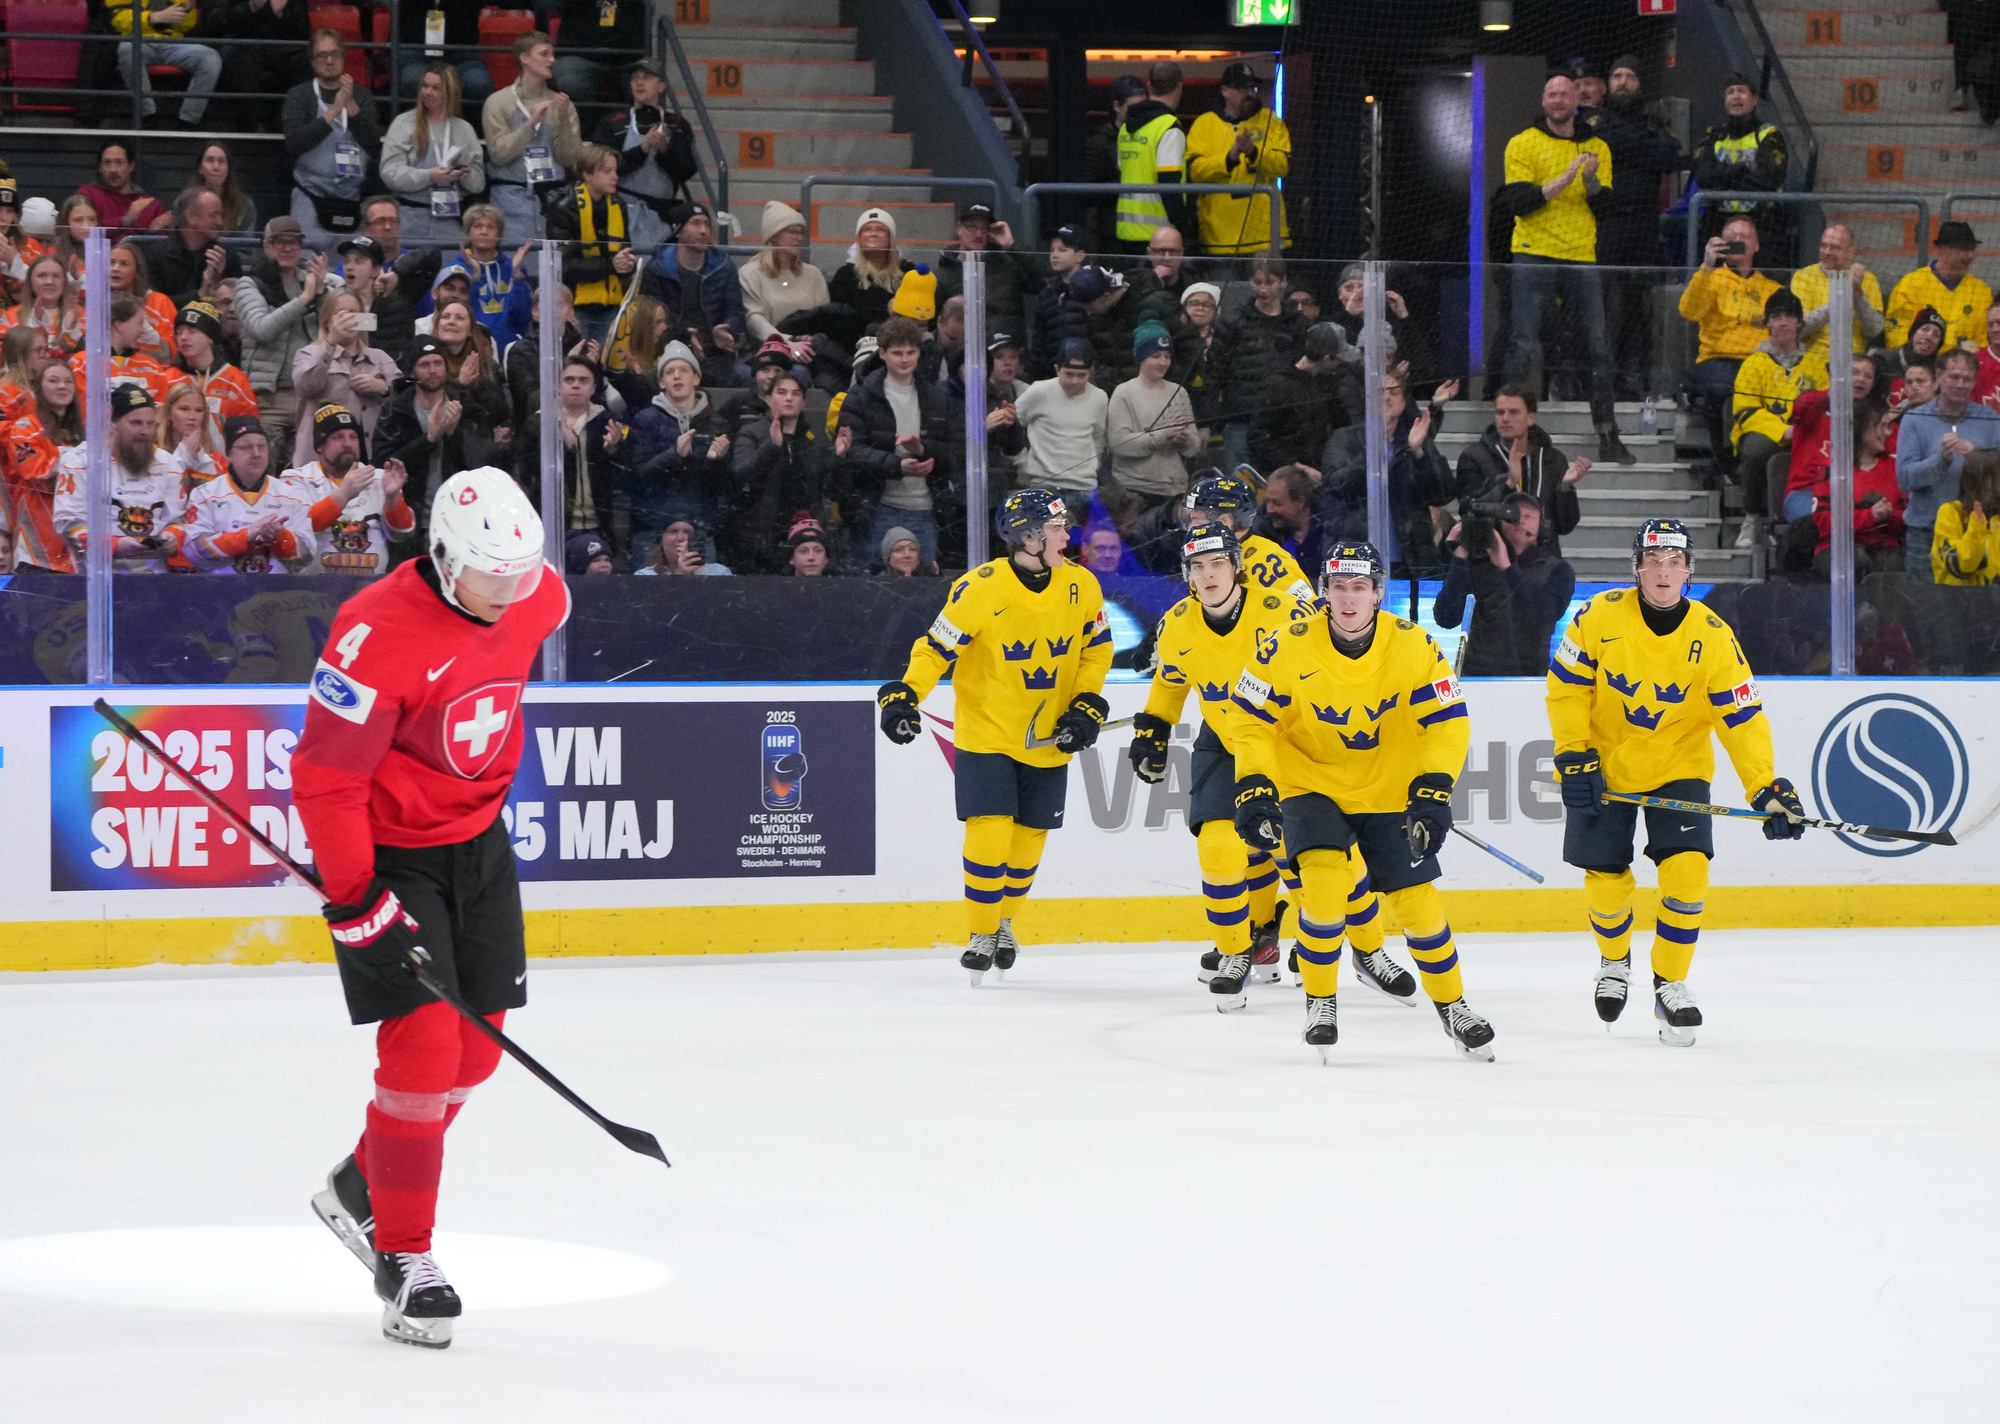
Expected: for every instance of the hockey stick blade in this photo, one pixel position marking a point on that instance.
(1701, 808)
(644, 1143)
(1500, 855)
(1035, 743)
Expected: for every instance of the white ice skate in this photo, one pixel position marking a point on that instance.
(1674, 1007)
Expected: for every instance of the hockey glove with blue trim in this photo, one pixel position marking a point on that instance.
(1784, 812)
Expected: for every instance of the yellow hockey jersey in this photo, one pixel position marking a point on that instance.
(1271, 570)
(1015, 655)
(1647, 703)
(1963, 308)
(1191, 656)
(1358, 730)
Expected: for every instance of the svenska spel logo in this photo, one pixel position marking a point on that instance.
(1890, 760)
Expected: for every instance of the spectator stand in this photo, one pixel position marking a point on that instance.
(852, 200)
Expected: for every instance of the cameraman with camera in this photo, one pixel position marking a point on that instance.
(1516, 454)
(1519, 583)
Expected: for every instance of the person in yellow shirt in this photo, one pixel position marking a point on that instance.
(1809, 285)
(1768, 384)
(1725, 299)
(1553, 168)
(1243, 142)
(1965, 544)
(1641, 680)
(1947, 285)
(1025, 640)
(163, 38)
(1355, 731)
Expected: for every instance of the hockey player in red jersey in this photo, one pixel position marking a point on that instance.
(412, 735)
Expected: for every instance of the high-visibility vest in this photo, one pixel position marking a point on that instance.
(1742, 151)
(611, 290)
(1140, 212)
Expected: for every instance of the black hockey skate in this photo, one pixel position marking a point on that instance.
(1322, 1023)
(1264, 949)
(1470, 1034)
(418, 1303)
(1005, 948)
(1211, 960)
(1614, 979)
(978, 956)
(1292, 965)
(345, 1209)
(1380, 972)
(1231, 975)
(1674, 1007)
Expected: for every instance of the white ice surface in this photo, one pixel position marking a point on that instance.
(1083, 1196)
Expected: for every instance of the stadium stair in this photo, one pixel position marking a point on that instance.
(1615, 498)
(1876, 82)
(788, 98)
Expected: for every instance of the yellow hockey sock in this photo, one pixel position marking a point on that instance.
(1420, 911)
(986, 841)
(1223, 859)
(1365, 929)
(1260, 878)
(1683, 888)
(1608, 897)
(1322, 910)
(1024, 858)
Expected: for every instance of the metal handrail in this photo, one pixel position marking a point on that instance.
(862, 180)
(719, 193)
(1234, 190)
(1774, 66)
(1020, 120)
(1707, 197)
(1945, 207)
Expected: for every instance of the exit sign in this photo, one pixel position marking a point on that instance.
(1656, 7)
(1262, 12)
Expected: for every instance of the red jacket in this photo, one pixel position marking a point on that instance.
(413, 721)
(1878, 479)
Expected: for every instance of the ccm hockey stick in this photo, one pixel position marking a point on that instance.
(1702, 808)
(1499, 855)
(644, 1143)
(1035, 743)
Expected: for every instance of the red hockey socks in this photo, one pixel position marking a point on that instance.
(428, 1063)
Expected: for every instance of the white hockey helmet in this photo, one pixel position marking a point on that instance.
(486, 538)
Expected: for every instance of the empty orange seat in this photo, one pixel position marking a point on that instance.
(497, 31)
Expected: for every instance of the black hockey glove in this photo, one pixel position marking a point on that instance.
(1260, 819)
(1786, 813)
(1582, 780)
(1150, 735)
(375, 937)
(1078, 727)
(1428, 821)
(900, 720)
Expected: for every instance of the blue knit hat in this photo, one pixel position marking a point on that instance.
(1149, 338)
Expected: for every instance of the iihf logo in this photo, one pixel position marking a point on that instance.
(1890, 760)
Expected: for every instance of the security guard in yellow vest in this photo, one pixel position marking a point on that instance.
(593, 223)
(1152, 148)
(1244, 142)
(1742, 155)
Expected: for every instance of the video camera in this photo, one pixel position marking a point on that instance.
(1479, 519)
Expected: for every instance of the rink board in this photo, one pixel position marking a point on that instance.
(674, 819)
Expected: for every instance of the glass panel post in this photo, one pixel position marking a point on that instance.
(1840, 491)
(1374, 358)
(976, 523)
(98, 530)
(554, 526)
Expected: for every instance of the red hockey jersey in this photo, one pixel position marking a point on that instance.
(413, 721)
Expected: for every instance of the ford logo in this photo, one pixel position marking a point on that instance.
(1890, 760)
(333, 689)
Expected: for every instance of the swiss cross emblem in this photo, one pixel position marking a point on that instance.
(476, 725)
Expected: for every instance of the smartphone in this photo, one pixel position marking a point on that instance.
(366, 321)
(1735, 249)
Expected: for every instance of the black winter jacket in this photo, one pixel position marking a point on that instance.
(1514, 611)
(771, 485)
(1418, 480)
(875, 458)
(1482, 475)
(1250, 353)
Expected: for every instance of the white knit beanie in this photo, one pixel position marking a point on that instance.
(876, 215)
(778, 217)
(38, 218)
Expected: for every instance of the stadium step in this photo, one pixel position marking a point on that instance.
(1807, 30)
(796, 42)
(1967, 164)
(692, 18)
(1563, 420)
(764, 150)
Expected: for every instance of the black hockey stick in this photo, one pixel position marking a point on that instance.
(1702, 808)
(637, 1140)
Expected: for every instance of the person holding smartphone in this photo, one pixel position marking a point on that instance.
(340, 368)
(1725, 297)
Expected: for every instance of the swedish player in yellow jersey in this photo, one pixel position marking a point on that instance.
(1025, 639)
(1203, 642)
(1641, 680)
(1267, 568)
(1356, 730)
